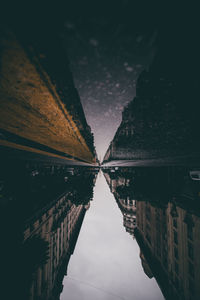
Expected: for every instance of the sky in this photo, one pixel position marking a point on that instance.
(112, 269)
(108, 47)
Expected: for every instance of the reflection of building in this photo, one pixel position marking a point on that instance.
(184, 263)
(145, 266)
(45, 207)
(169, 238)
(167, 232)
(152, 228)
(128, 209)
(58, 225)
(119, 186)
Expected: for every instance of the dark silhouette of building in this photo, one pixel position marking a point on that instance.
(162, 120)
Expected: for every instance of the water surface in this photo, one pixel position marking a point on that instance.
(106, 263)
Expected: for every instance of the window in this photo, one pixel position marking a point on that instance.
(148, 228)
(191, 286)
(190, 251)
(175, 237)
(175, 223)
(176, 282)
(148, 238)
(176, 252)
(191, 269)
(176, 268)
(190, 232)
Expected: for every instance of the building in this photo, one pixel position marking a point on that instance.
(41, 111)
(42, 208)
(58, 226)
(160, 208)
(161, 121)
(119, 183)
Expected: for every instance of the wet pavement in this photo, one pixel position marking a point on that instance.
(84, 233)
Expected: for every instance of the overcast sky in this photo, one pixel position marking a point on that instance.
(112, 268)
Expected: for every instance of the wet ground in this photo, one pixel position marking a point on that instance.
(84, 233)
(107, 263)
